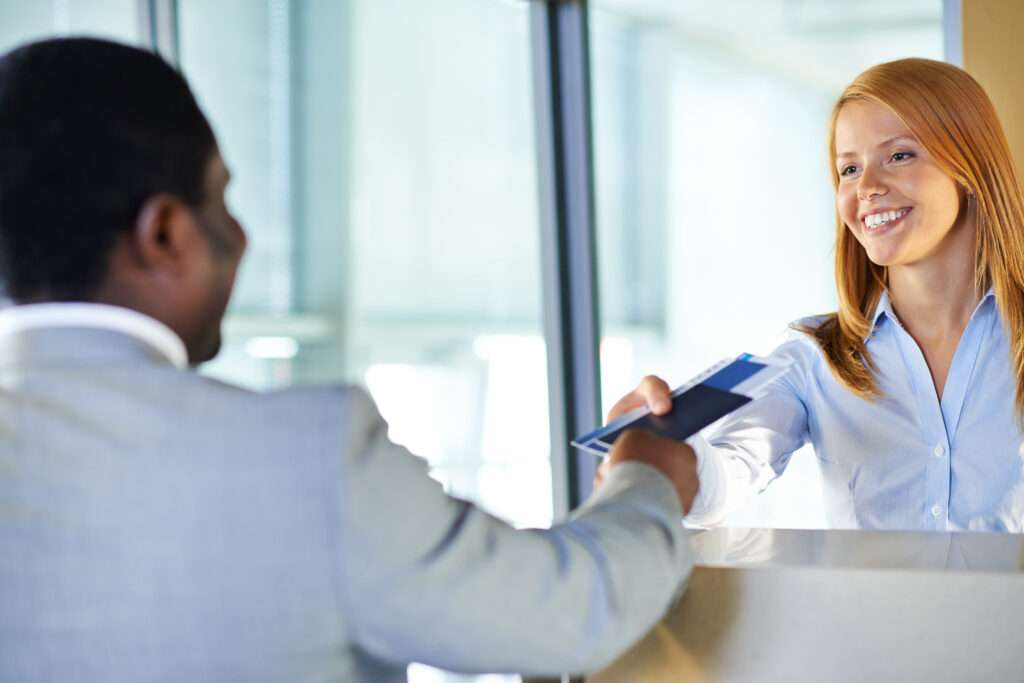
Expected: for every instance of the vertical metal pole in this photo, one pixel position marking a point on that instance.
(559, 35)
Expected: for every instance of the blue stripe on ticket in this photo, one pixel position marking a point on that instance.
(732, 374)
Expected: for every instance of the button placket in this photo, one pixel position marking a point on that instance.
(938, 476)
(935, 439)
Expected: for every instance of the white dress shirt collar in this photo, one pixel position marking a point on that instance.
(884, 306)
(152, 332)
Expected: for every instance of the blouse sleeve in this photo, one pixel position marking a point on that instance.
(740, 456)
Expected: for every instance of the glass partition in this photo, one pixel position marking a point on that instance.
(384, 168)
(714, 201)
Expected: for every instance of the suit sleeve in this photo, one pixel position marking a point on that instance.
(433, 579)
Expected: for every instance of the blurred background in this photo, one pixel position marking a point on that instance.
(385, 164)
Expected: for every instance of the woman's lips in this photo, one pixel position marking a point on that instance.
(891, 218)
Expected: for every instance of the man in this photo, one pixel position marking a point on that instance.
(156, 525)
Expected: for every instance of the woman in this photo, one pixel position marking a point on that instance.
(912, 393)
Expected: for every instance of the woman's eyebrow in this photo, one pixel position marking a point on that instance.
(897, 138)
(883, 143)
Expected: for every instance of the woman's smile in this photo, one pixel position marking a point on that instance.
(882, 221)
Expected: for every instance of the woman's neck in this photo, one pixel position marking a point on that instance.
(934, 298)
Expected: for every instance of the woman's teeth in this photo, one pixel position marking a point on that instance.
(878, 219)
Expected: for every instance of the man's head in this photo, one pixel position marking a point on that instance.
(112, 188)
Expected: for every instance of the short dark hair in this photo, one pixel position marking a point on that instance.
(89, 129)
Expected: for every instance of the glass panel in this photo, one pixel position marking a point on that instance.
(25, 20)
(714, 203)
(386, 176)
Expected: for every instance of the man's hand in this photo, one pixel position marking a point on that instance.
(674, 459)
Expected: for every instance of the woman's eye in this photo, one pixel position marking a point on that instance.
(847, 170)
(902, 156)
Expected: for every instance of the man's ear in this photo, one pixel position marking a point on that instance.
(165, 234)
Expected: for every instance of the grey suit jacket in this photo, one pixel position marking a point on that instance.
(156, 525)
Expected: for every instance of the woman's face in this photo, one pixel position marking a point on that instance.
(898, 203)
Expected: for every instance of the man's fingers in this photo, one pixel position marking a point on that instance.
(674, 459)
(599, 475)
(602, 470)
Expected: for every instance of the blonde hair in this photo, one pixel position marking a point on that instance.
(952, 117)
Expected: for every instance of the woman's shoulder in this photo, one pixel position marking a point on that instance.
(799, 345)
(800, 335)
(812, 322)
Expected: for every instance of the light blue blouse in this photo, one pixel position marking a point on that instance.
(907, 461)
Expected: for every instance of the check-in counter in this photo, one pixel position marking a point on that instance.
(779, 605)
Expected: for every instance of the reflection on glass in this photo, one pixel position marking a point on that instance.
(715, 216)
(860, 549)
(384, 169)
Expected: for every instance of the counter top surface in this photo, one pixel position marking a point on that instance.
(791, 606)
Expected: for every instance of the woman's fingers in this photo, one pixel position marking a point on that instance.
(652, 392)
(625, 404)
(656, 393)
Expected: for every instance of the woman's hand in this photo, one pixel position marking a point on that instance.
(674, 459)
(652, 392)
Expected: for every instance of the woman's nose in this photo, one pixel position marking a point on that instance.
(870, 185)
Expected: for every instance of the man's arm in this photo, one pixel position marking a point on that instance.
(432, 579)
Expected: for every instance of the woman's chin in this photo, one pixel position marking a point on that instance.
(883, 258)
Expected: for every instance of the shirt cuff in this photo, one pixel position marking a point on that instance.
(709, 505)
